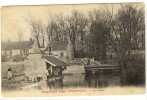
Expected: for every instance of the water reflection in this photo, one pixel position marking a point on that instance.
(102, 79)
(74, 80)
(99, 80)
(55, 84)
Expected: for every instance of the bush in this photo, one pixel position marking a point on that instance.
(17, 58)
(4, 58)
(136, 69)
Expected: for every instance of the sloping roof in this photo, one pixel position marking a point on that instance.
(55, 61)
(35, 47)
(57, 45)
(16, 45)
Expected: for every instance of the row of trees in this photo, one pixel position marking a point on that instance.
(91, 33)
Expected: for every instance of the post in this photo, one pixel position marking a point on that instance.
(93, 73)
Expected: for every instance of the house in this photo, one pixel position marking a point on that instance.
(12, 49)
(60, 49)
(57, 48)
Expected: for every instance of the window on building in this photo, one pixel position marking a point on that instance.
(9, 52)
(49, 49)
(4, 52)
(23, 52)
(110, 56)
(27, 52)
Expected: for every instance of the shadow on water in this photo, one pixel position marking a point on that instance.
(99, 80)
(102, 79)
(55, 84)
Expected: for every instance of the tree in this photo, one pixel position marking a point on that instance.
(125, 25)
(20, 34)
(61, 22)
(75, 26)
(54, 28)
(36, 28)
(81, 34)
(71, 29)
(98, 31)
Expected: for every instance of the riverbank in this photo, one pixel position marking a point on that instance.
(13, 85)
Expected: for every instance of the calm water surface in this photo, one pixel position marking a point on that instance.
(85, 81)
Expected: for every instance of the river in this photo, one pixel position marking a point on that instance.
(85, 81)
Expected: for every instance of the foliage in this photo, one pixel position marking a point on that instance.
(91, 33)
(136, 69)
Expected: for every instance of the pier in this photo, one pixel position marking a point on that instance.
(102, 68)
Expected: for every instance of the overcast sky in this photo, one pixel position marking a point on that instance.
(14, 16)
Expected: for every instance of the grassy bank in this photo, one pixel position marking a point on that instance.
(13, 85)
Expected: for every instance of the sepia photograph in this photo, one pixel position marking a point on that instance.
(73, 50)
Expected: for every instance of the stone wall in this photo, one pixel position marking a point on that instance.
(74, 69)
(31, 67)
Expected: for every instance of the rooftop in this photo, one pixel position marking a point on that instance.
(57, 45)
(35, 47)
(16, 45)
(55, 61)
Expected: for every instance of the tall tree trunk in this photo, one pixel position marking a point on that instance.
(38, 42)
(123, 77)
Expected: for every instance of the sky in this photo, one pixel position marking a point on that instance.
(13, 17)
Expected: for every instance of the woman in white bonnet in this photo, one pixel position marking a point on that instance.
(9, 73)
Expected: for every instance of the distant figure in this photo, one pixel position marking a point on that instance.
(9, 73)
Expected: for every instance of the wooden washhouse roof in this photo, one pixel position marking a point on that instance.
(55, 61)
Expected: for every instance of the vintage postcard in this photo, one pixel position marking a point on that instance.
(73, 50)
